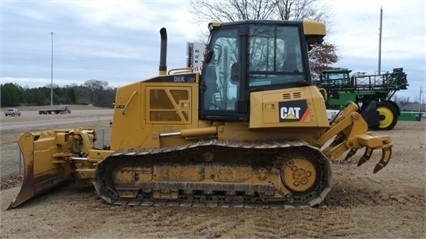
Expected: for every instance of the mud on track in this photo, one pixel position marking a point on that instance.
(389, 204)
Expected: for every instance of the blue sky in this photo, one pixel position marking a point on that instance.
(119, 41)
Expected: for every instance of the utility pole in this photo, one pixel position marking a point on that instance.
(51, 74)
(380, 42)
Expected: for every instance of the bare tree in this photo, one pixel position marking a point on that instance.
(235, 10)
(300, 9)
(96, 87)
(321, 57)
(232, 10)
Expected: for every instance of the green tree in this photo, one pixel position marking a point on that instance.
(71, 95)
(35, 96)
(11, 94)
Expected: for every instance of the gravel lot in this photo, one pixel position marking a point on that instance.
(389, 204)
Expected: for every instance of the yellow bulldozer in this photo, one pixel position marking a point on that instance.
(251, 128)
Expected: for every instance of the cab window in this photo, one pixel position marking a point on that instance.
(274, 55)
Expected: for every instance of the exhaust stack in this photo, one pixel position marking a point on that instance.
(163, 52)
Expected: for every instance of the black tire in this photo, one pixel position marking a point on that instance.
(388, 115)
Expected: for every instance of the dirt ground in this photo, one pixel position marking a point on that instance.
(389, 204)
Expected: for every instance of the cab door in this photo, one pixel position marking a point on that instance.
(221, 80)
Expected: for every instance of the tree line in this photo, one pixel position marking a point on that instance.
(94, 92)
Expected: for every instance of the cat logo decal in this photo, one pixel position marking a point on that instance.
(293, 111)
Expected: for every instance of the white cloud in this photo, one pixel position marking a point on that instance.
(96, 48)
(357, 26)
(119, 40)
(129, 14)
(133, 15)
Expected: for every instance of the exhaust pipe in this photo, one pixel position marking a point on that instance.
(163, 52)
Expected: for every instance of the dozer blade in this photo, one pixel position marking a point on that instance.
(44, 167)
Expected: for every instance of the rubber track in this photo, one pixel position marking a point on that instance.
(118, 159)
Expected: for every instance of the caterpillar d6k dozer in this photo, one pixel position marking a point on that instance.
(250, 129)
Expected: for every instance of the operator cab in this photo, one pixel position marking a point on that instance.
(248, 56)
